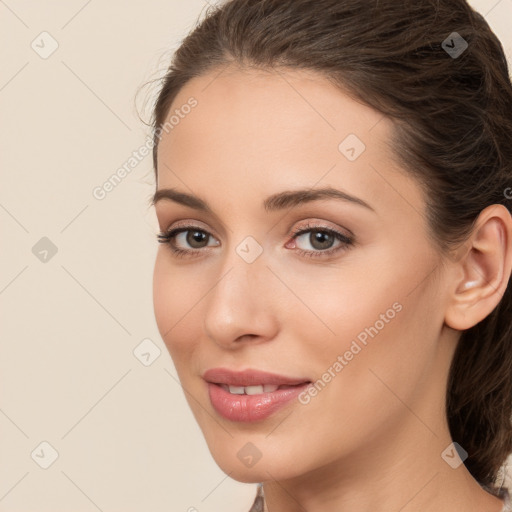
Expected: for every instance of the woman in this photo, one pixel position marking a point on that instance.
(333, 193)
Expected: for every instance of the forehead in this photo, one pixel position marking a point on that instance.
(274, 107)
(263, 130)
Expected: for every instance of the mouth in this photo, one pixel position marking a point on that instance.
(250, 395)
(251, 382)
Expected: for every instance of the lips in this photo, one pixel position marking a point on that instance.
(249, 378)
(250, 395)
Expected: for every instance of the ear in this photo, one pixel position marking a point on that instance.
(482, 273)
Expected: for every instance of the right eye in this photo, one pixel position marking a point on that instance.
(179, 237)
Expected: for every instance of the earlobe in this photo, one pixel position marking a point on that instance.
(485, 269)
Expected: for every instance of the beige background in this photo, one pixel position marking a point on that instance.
(125, 438)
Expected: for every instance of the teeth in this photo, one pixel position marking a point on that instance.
(236, 390)
(253, 390)
(250, 390)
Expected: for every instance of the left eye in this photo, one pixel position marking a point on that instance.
(320, 239)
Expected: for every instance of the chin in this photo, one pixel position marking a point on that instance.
(272, 467)
(247, 476)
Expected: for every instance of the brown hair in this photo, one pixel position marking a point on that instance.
(452, 118)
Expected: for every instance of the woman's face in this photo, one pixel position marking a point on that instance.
(350, 306)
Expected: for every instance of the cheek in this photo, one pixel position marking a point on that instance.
(339, 306)
(357, 397)
(373, 332)
(387, 352)
(176, 299)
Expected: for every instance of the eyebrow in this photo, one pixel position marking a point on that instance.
(275, 202)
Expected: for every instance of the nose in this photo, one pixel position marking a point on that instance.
(241, 306)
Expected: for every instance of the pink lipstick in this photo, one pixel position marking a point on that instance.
(250, 395)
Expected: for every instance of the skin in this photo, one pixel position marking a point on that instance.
(372, 439)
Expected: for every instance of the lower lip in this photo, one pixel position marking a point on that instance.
(248, 408)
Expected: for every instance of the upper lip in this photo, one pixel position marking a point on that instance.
(249, 377)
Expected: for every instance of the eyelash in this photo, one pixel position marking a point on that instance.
(346, 242)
